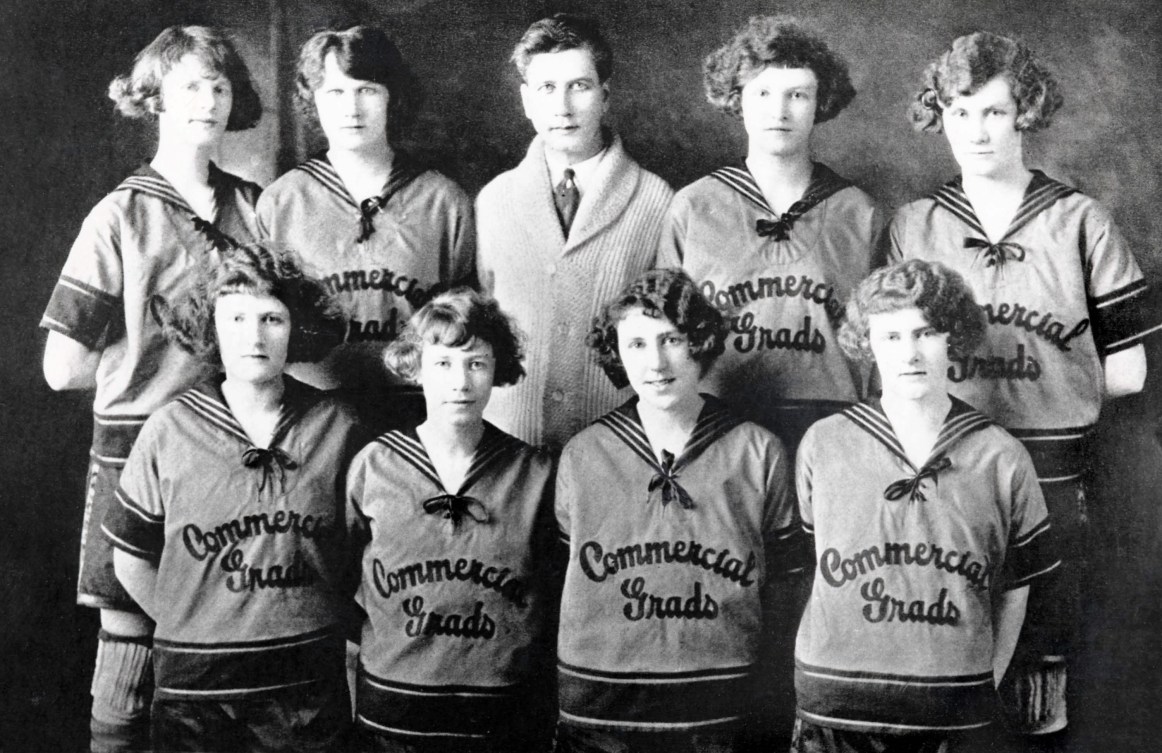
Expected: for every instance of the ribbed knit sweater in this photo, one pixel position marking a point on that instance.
(553, 286)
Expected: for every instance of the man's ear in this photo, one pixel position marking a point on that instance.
(605, 96)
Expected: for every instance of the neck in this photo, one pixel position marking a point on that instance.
(679, 418)
(457, 439)
(180, 164)
(558, 161)
(251, 397)
(785, 168)
(930, 410)
(1015, 177)
(370, 160)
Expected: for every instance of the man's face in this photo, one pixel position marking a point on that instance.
(566, 103)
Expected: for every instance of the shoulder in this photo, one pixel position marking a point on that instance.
(706, 191)
(294, 181)
(498, 188)
(833, 433)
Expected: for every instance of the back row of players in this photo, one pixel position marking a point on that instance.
(554, 240)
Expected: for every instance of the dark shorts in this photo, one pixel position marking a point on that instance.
(97, 584)
(311, 719)
(573, 739)
(812, 738)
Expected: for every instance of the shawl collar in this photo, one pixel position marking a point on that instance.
(612, 187)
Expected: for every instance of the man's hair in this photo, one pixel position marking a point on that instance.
(138, 93)
(364, 53)
(317, 325)
(939, 292)
(661, 294)
(973, 61)
(456, 319)
(560, 32)
(778, 42)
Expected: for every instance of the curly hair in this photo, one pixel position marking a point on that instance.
(317, 325)
(560, 32)
(364, 53)
(939, 292)
(973, 61)
(779, 42)
(138, 93)
(659, 293)
(455, 319)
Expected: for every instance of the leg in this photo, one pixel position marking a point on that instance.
(122, 683)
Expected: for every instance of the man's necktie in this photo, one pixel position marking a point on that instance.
(566, 197)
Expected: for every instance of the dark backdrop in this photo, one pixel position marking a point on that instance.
(64, 148)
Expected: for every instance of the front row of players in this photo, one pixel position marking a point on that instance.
(252, 508)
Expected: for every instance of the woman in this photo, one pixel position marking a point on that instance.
(778, 241)
(680, 526)
(381, 230)
(1064, 299)
(456, 576)
(231, 528)
(139, 242)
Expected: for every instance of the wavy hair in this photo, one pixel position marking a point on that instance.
(560, 32)
(660, 293)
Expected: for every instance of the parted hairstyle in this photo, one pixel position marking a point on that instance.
(317, 325)
(454, 319)
(364, 53)
(778, 42)
(939, 292)
(659, 293)
(973, 61)
(561, 32)
(138, 93)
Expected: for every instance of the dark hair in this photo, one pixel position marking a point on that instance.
(364, 53)
(455, 319)
(316, 323)
(668, 293)
(939, 292)
(138, 94)
(973, 61)
(779, 42)
(560, 32)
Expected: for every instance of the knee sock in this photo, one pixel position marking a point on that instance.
(122, 692)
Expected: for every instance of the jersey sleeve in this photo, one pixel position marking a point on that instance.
(565, 491)
(461, 241)
(87, 296)
(1032, 551)
(891, 244)
(671, 245)
(1118, 299)
(788, 547)
(135, 521)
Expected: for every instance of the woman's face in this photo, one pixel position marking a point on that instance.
(195, 103)
(657, 360)
(253, 336)
(457, 381)
(352, 113)
(911, 355)
(778, 111)
(981, 129)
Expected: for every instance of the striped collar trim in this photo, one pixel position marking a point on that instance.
(714, 421)
(207, 401)
(962, 420)
(495, 448)
(403, 171)
(824, 183)
(1041, 193)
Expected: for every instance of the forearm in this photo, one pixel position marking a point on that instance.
(1008, 616)
(1125, 372)
(68, 365)
(139, 577)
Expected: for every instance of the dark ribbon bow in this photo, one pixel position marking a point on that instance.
(667, 481)
(367, 211)
(911, 486)
(268, 459)
(455, 506)
(779, 229)
(216, 237)
(996, 254)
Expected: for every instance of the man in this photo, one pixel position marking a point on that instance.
(564, 230)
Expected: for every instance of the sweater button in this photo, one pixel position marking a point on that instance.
(558, 396)
(551, 269)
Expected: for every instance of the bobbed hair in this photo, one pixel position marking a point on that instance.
(660, 293)
(939, 292)
(778, 42)
(317, 325)
(364, 53)
(138, 93)
(561, 32)
(973, 61)
(455, 319)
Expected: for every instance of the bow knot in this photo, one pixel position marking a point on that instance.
(667, 481)
(455, 506)
(911, 486)
(996, 254)
(367, 211)
(216, 237)
(268, 459)
(779, 229)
